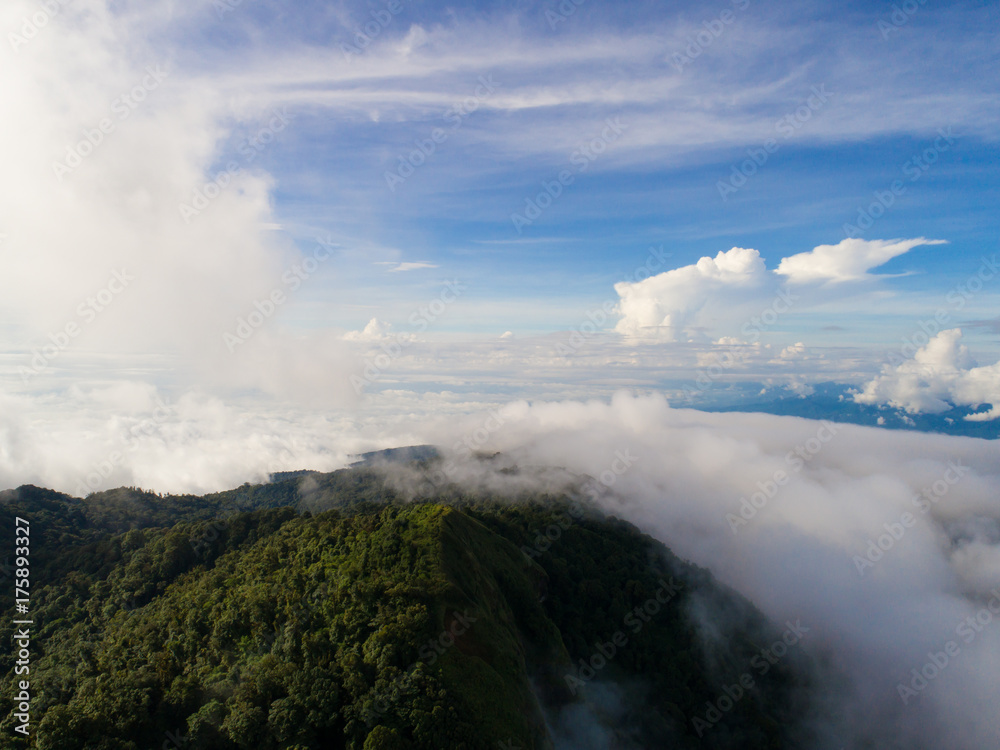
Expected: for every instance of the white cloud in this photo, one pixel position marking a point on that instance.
(665, 305)
(730, 97)
(724, 293)
(411, 266)
(940, 375)
(848, 260)
(795, 351)
(116, 212)
(795, 557)
(377, 330)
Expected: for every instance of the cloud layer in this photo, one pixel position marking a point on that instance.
(124, 234)
(807, 520)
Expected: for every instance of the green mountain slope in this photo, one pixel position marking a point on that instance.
(236, 621)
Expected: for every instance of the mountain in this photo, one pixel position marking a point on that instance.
(405, 454)
(833, 401)
(325, 611)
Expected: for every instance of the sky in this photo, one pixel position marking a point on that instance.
(374, 213)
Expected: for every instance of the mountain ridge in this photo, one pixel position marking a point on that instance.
(434, 623)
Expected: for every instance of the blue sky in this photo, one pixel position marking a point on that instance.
(634, 118)
(890, 93)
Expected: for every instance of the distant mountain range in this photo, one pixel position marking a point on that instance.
(833, 401)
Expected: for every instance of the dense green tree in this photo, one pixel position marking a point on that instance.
(324, 612)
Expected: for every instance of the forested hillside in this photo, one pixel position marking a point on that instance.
(322, 611)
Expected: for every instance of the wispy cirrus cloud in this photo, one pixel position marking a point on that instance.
(413, 265)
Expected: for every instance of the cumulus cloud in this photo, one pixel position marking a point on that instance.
(848, 260)
(378, 331)
(941, 375)
(793, 352)
(730, 288)
(666, 304)
(374, 330)
(124, 234)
